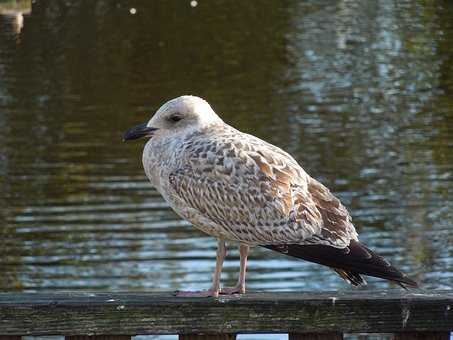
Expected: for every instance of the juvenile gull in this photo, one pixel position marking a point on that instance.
(237, 187)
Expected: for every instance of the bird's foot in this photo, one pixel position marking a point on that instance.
(200, 293)
(238, 289)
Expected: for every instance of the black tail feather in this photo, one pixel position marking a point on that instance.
(351, 277)
(348, 262)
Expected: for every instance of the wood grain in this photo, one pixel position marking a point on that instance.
(207, 337)
(315, 336)
(283, 312)
(98, 337)
(422, 336)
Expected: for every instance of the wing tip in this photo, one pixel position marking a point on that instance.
(350, 266)
(407, 283)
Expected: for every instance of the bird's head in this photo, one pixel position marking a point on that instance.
(181, 114)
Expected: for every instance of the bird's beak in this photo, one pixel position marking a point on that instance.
(138, 131)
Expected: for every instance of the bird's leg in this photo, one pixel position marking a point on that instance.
(240, 286)
(221, 254)
(215, 288)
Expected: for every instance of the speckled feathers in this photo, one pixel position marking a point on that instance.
(238, 187)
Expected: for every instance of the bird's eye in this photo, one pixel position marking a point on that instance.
(175, 118)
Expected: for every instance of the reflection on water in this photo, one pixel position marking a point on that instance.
(360, 93)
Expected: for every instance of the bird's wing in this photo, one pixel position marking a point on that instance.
(337, 228)
(258, 193)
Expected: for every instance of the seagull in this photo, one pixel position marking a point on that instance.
(238, 188)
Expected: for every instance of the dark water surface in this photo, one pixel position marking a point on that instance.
(360, 92)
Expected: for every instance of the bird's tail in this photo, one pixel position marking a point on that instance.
(348, 262)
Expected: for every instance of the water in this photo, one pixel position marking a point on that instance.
(361, 93)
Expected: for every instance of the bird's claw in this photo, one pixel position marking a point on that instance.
(233, 290)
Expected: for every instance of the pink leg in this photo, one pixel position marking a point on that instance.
(240, 286)
(215, 288)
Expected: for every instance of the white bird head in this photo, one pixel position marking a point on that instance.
(181, 114)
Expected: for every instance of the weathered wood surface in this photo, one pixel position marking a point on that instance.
(98, 337)
(422, 336)
(162, 313)
(207, 337)
(315, 336)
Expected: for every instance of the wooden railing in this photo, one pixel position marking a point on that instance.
(118, 316)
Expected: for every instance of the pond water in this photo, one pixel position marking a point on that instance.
(361, 93)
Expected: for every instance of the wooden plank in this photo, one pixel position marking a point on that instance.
(207, 337)
(284, 312)
(10, 337)
(315, 336)
(98, 337)
(422, 336)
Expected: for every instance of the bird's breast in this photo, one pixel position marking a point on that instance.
(160, 158)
